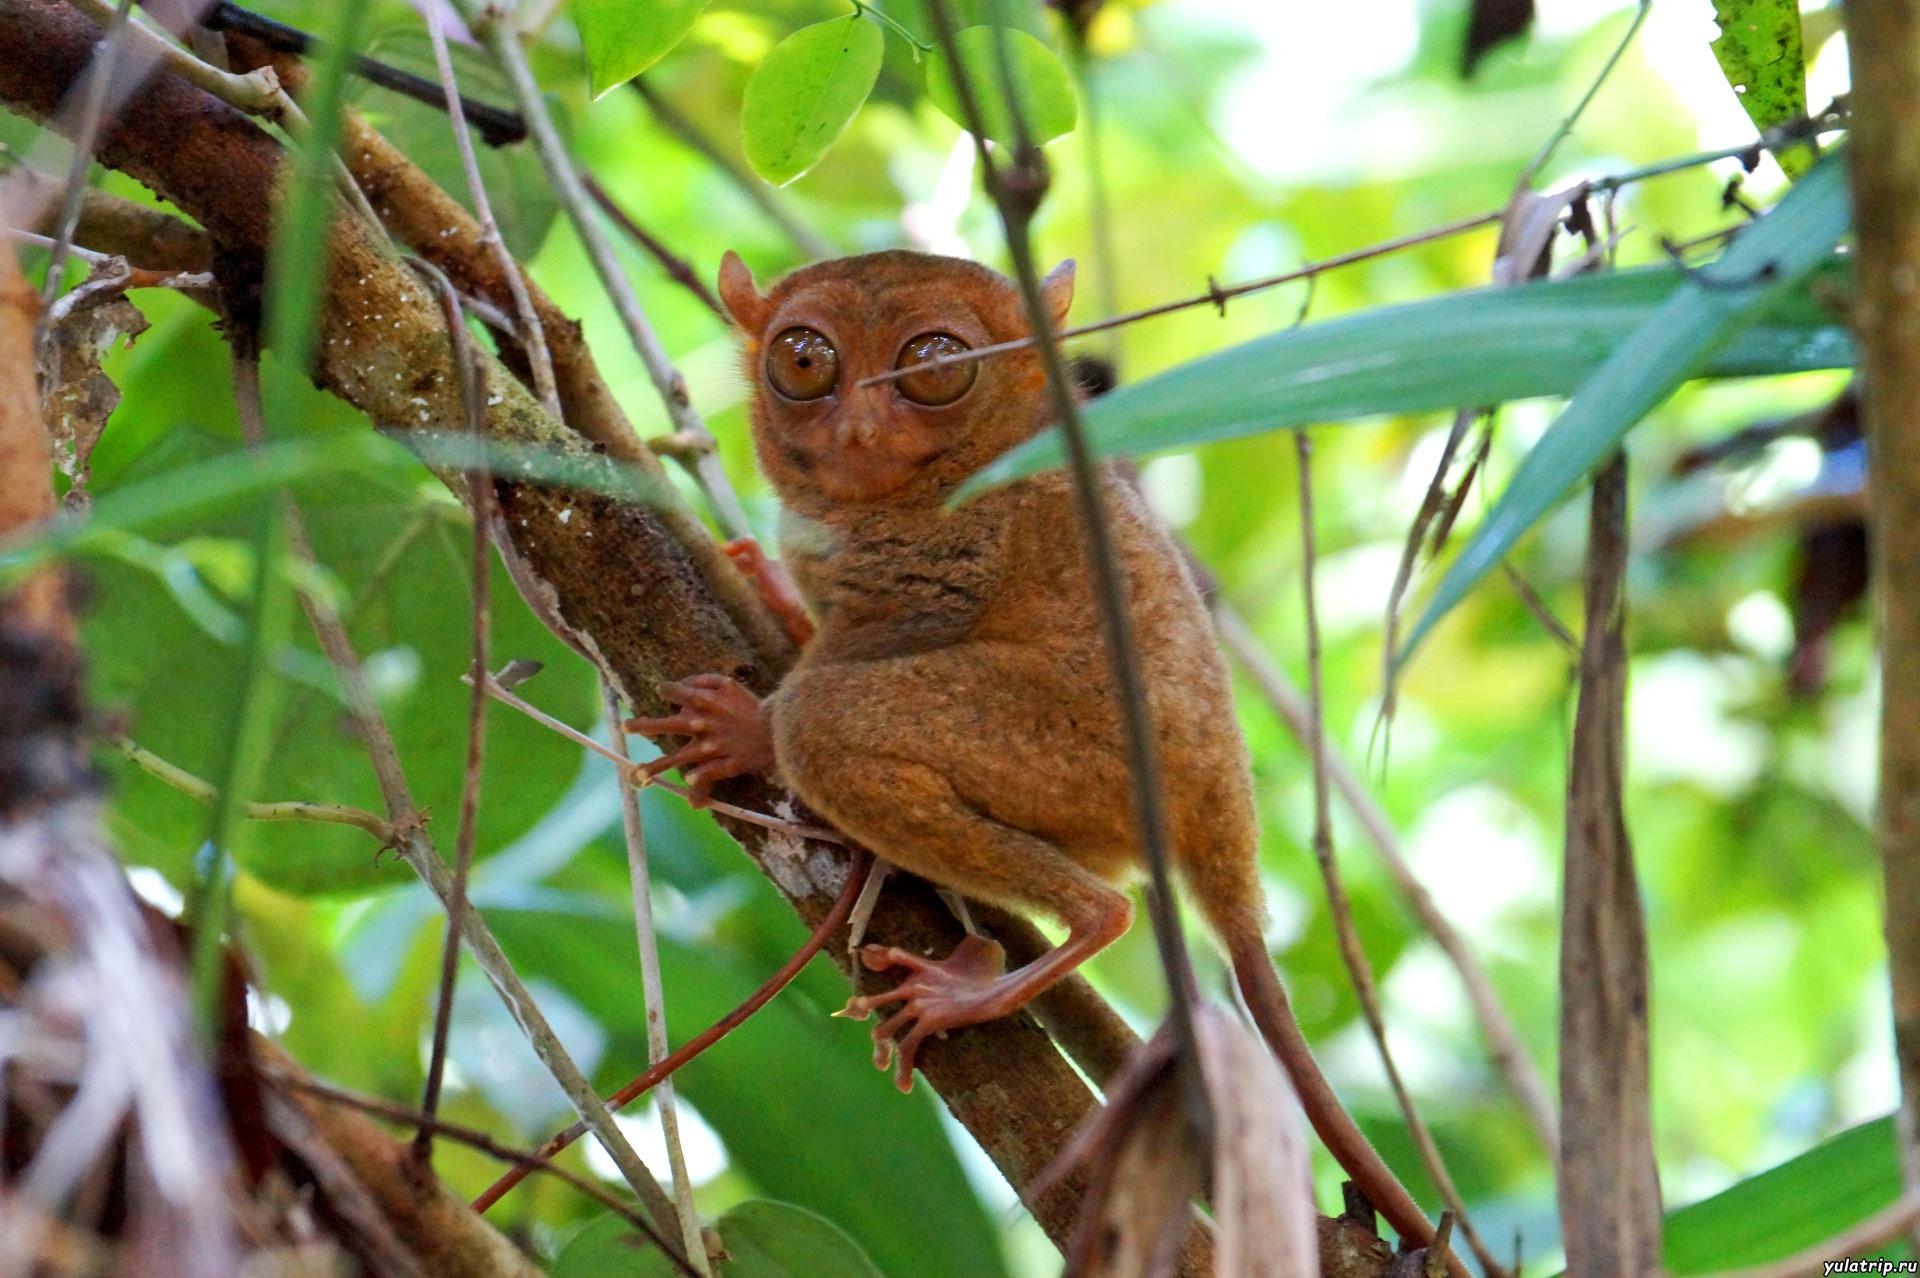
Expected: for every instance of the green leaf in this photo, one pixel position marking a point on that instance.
(837, 1118)
(1670, 346)
(763, 1240)
(1485, 346)
(1759, 49)
(1796, 1205)
(805, 92)
(625, 37)
(1044, 87)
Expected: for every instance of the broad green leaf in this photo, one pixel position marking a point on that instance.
(1045, 89)
(1486, 346)
(763, 1240)
(833, 1121)
(625, 37)
(805, 91)
(1673, 344)
(1760, 51)
(1796, 1205)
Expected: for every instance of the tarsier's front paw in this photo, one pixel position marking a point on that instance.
(726, 729)
(774, 585)
(941, 994)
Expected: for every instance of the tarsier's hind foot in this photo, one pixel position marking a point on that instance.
(965, 988)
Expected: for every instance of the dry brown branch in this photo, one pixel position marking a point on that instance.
(1886, 199)
(26, 453)
(202, 790)
(1610, 1194)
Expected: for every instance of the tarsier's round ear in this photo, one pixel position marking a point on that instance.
(738, 294)
(1057, 291)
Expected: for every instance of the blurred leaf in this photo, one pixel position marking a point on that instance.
(763, 1240)
(1045, 89)
(792, 1093)
(1759, 49)
(625, 37)
(1484, 346)
(805, 92)
(1671, 345)
(1796, 1205)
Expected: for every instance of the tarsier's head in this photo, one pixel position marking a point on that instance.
(815, 336)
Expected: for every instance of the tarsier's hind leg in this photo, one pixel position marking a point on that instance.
(910, 814)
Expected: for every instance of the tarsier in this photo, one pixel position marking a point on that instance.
(954, 709)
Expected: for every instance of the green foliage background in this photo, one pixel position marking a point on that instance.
(1749, 808)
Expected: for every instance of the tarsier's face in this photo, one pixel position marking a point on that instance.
(821, 333)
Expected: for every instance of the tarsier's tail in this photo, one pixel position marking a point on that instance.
(1267, 999)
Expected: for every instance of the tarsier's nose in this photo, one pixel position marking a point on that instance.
(859, 428)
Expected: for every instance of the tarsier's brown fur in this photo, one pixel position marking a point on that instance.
(955, 710)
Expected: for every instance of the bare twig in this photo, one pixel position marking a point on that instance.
(1340, 907)
(676, 267)
(504, 41)
(529, 331)
(1509, 1056)
(674, 121)
(474, 1138)
(1016, 194)
(194, 787)
(480, 497)
(1886, 200)
(651, 989)
(834, 919)
(1565, 127)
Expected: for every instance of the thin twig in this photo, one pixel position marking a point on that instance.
(504, 41)
(531, 334)
(835, 917)
(473, 396)
(1015, 195)
(1340, 906)
(1509, 1056)
(1791, 133)
(638, 775)
(651, 989)
(1106, 259)
(474, 1138)
(418, 851)
(674, 121)
(1565, 127)
(676, 267)
(93, 110)
(194, 787)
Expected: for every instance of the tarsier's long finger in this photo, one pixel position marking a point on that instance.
(879, 958)
(909, 1049)
(886, 1032)
(700, 692)
(679, 724)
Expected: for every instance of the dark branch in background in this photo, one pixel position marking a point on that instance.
(480, 499)
(1017, 194)
(497, 125)
(1881, 38)
(674, 121)
(1560, 134)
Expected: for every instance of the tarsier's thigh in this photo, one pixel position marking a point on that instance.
(997, 723)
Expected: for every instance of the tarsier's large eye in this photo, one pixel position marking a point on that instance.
(802, 364)
(935, 386)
